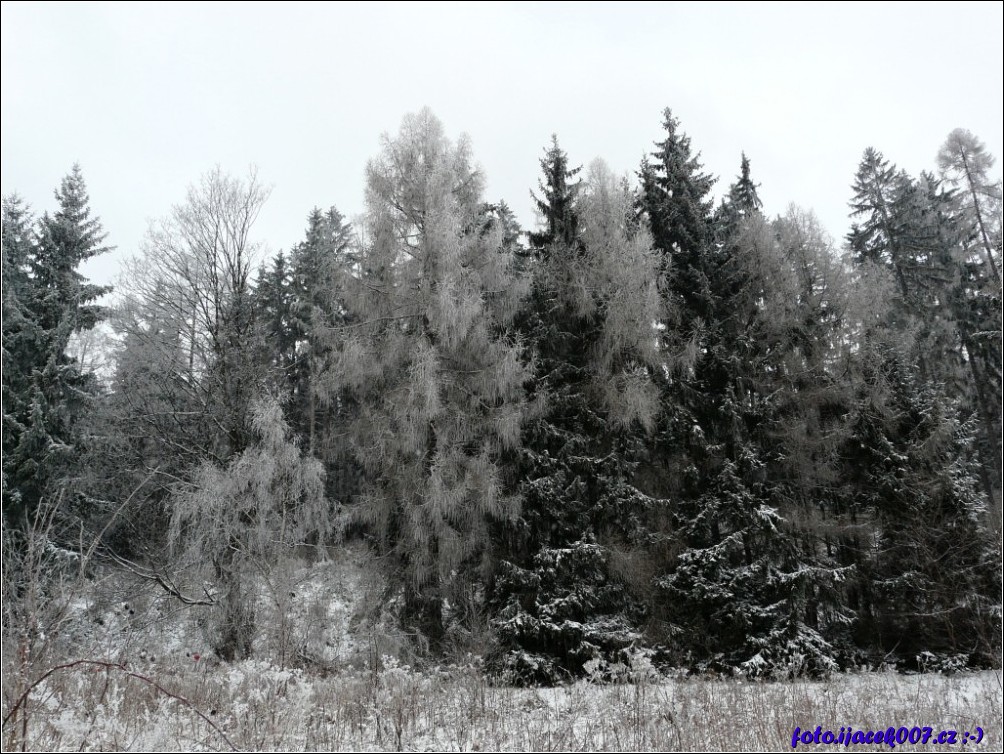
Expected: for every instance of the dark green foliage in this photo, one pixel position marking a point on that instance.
(742, 202)
(933, 572)
(741, 590)
(557, 203)
(930, 584)
(558, 601)
(275, 318)
(45, 390)
(675, 199)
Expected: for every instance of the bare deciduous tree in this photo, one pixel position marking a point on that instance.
(186, 322)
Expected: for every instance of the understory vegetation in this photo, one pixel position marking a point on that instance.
(122, 667)
(656, 442)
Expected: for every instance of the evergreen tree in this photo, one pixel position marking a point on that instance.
(743, 201)
(740, 591)
(20, 340)
(946, 302)
(930, 582)
(556, 205)
(675, 199)
(319, 265)
(52, 300)
(560, 599)
(914, 466)
(274, 303)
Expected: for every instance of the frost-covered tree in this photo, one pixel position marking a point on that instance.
(559, 599)
(930, 575)
(20, 343)
(737, 585)
(189, 364)
(431, 362)
(947, 302)
(742, 591)
(920, 382)
(965, 163)
(240, 519)
(190, 289)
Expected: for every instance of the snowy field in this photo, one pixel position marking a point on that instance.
(256, 706)
(333, 675)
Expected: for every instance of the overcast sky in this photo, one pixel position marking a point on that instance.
(148, 97)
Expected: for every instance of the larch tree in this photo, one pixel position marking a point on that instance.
(431, 360)
(965, 163)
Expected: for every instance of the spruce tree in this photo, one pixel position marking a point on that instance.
(319, 265)
(675, 200)
(20, 346)
(911, 449)
(53, 301)
(738, 590)
(273, 302)
(559, 597)
(743, 201)
(922, 591)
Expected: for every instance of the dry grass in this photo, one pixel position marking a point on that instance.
(257, 706)
(108, 664)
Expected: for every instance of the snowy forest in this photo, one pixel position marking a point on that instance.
(654, 425)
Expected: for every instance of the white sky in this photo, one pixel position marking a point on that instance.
(149, 97)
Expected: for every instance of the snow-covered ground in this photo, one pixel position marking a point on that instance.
(332, 674)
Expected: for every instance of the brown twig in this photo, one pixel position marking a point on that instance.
(129, 674)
